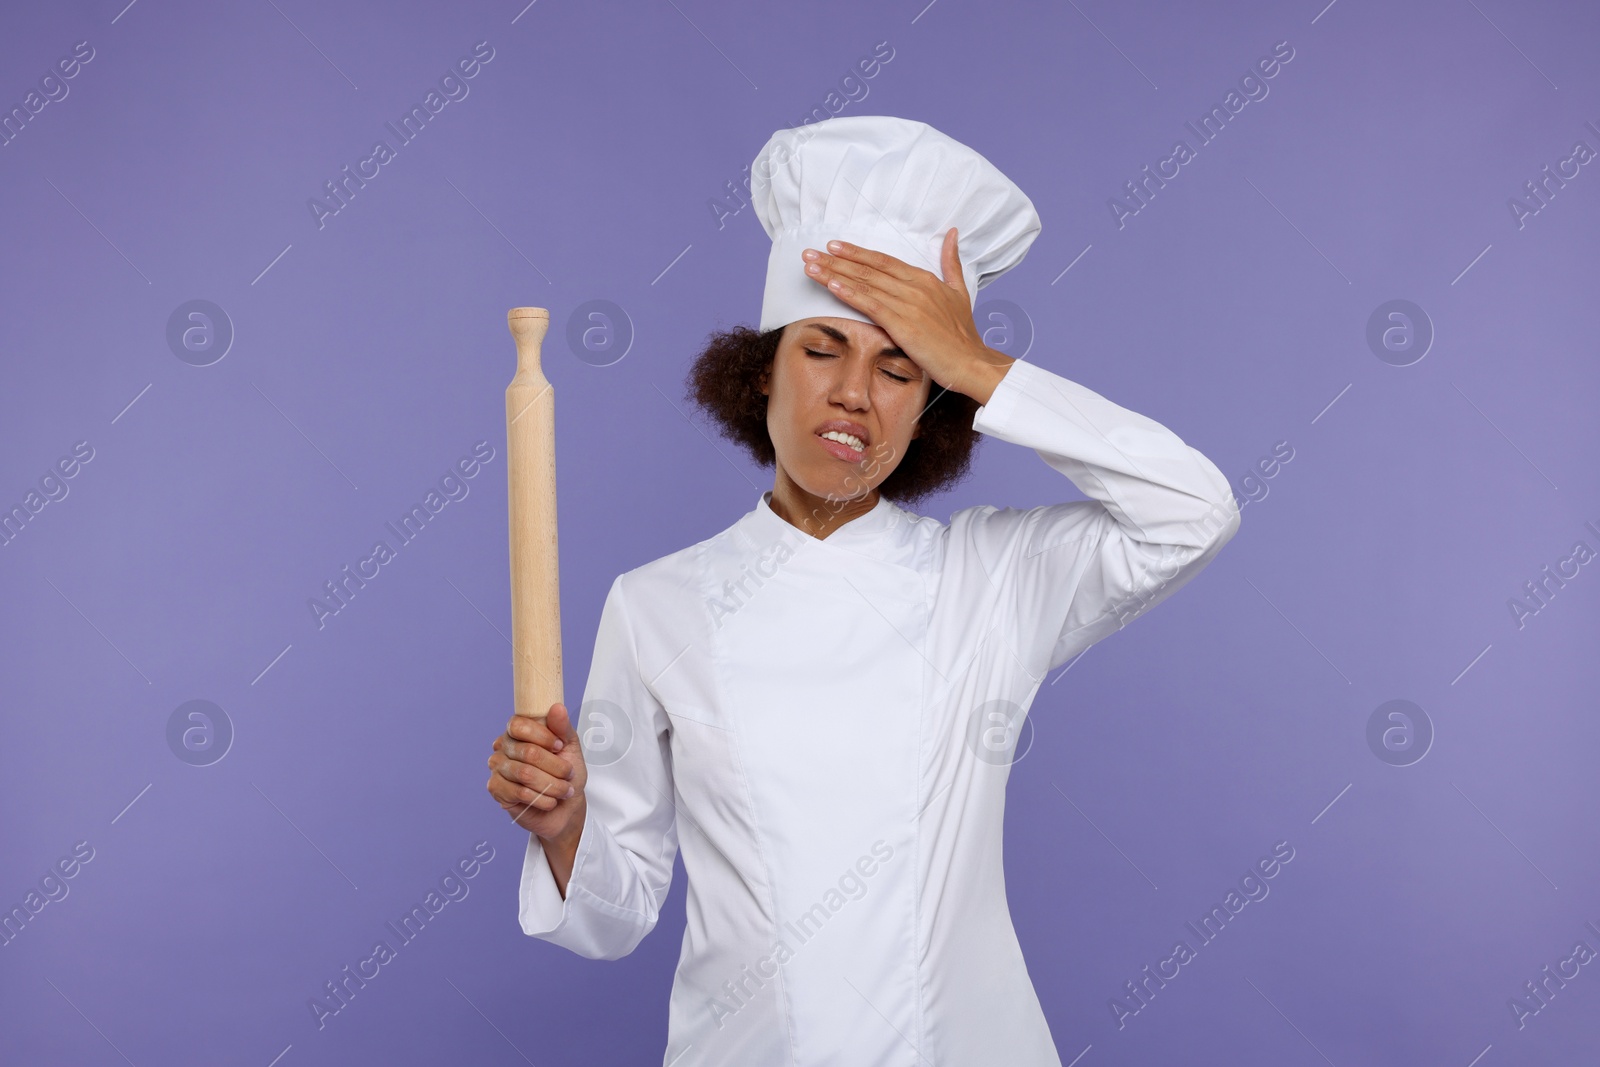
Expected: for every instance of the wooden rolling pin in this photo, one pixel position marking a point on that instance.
(531, 496)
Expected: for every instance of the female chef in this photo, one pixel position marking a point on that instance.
(818, 705)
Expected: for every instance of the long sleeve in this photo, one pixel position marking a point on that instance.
(623, 865)
(1067, 575)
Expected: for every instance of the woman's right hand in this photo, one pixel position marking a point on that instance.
(534, 766)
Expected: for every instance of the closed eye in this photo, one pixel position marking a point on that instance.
(830, 355)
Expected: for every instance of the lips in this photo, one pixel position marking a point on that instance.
(855, 429)
(840, 449)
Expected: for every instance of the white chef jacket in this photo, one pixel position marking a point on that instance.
(825, 728)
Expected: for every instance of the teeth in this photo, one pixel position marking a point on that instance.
(846, 439)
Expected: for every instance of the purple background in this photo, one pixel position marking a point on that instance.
(371, 353)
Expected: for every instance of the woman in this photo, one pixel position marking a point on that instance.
(818, 705)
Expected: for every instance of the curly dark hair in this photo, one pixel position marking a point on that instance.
(725, 382)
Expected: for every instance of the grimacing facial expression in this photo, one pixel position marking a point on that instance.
(843, 404)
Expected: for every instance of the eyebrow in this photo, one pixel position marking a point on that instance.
(839, 335)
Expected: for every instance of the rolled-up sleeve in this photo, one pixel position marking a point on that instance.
(623, 867)
(1066, 575)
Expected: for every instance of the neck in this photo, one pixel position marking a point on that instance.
(816, 515)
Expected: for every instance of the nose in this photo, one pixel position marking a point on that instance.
(851, 387)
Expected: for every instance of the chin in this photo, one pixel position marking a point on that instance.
(849, 485)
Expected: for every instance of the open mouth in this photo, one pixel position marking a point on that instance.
(846, 446)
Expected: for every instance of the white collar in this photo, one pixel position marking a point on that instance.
(876, 533)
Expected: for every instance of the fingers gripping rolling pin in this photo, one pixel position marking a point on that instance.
(531, 493)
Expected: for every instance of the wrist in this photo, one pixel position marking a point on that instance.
(985, 372)
(566, 840)
(561, 852)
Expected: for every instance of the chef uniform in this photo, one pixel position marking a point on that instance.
(825, 727)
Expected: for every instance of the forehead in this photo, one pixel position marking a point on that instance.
(853, 332)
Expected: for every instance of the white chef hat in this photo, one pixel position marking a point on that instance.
(893, 185)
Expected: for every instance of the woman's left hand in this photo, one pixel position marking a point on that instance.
(929, 318)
